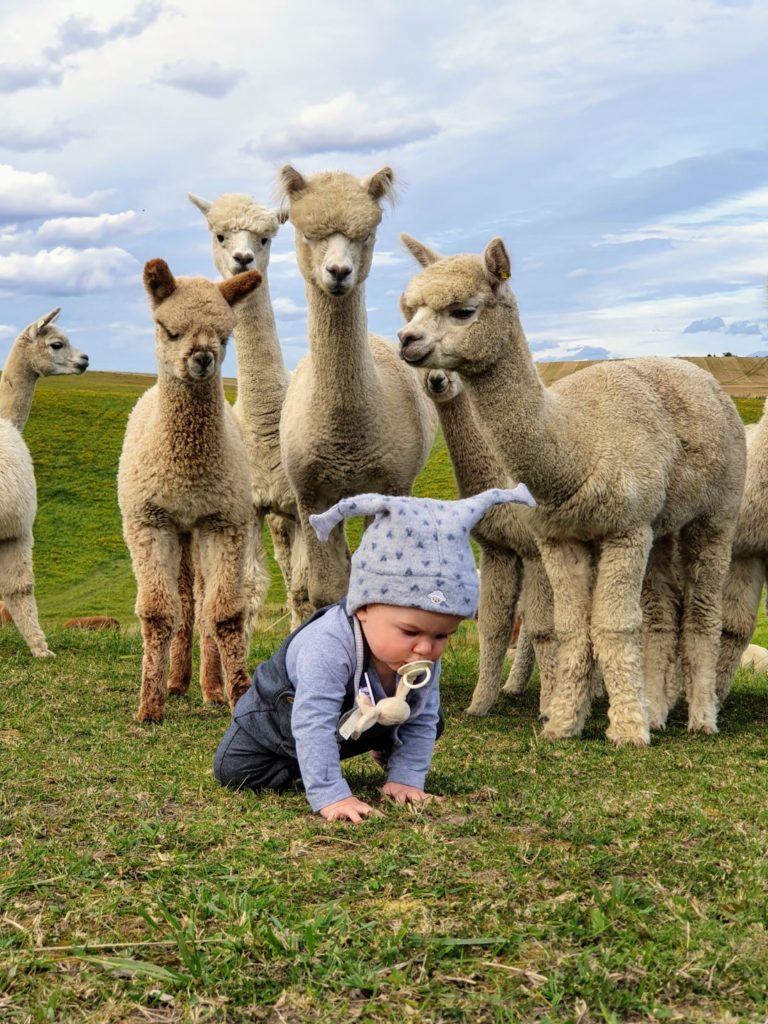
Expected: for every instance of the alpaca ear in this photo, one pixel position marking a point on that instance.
(236, 288)
(498, 265)
(39, 325)
(159, 281)
(203, 205)
(282, 213)
(420, 252)
(291, 181)
(380, 185)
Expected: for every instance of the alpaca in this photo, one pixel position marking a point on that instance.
(241, 236)
(40, 350)
(355, 417)
(749, 560)
(506, 542)
(184, 487)
(616, 455)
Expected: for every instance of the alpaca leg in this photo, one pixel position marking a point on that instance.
(660, 603)
(569, 566)
(298, 598)
(741, 600)
(539, 617)
(522, 667)
(328, 563)
(255, 578)
(17, 585)
(706, 553)
(282, 538)
(211, 674)
(157, 558)
(616, 634)
(180, 673)
(222, 561)
(501, 574)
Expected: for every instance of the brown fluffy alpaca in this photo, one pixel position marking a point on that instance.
(184, 487)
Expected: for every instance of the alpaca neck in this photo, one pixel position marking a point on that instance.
(261, 374)
(17, 388)
(342, 361)
(192, 415)
(524, 421)
(474, 465)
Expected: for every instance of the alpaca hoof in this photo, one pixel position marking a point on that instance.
(214, 698)
(477, 710)
(514, 690)
(705, 728)
(43, 653)
(177, 691)
(146, 718)
(550, 732)
(629, 736)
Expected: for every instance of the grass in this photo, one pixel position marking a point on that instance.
(553, 883)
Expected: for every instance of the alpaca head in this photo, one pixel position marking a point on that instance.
(241, 231)
(193, 319)
(47, 349)
(456, 307)
(335, 216)
(442, 386)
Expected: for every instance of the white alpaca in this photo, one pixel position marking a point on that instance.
(616, 455)
(506, 543)
(355, 417)
(241, 236)
(183, 486)
(747, 571)
(41, 350)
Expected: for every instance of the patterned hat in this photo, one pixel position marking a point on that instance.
(416, 553)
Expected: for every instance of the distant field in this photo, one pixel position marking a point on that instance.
(75, 434)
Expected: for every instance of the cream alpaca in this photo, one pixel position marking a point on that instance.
(747, 571)
(506, 543)
(355, 417)
(41, 350)
(616, 455)
(183, 485)
(241, 236)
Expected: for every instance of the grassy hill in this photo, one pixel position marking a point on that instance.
(75, 433)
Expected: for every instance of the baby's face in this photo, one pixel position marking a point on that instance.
(397, 635)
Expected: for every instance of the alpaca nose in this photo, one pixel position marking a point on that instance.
(203, 359)
(243, 258)
(83, 361)
(408, 335)
(339, 271)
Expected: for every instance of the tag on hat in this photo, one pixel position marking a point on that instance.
(437, 597)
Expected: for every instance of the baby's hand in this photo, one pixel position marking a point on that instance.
(349, 809)
(403, 794)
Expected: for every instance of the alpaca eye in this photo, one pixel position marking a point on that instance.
(220, 238)
(264, 241)
(171, 335)
(56, 345)
(463, 314)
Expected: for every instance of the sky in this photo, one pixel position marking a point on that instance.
(620, 150)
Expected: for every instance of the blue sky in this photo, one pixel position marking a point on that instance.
(620, 149)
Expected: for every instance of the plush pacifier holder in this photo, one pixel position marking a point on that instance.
(389, 710)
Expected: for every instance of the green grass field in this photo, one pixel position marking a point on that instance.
(553, 883)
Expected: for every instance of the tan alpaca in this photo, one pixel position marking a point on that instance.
(183, 485)
(506, 543)
(241, 236)
(41, 350)
(355, 417)
(616, 455)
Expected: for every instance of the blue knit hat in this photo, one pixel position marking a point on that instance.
(416, 553)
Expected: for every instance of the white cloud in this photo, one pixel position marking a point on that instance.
(287, 309)
(343, 124)
(29, 137)
(90, 229)
(77, 33)
(207, 78)
(66, 271)
(28, 194)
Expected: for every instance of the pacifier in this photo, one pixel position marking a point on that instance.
(389, 710)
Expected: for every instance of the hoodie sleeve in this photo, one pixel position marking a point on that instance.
(320, 664)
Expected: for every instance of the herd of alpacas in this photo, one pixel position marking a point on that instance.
(639, 570)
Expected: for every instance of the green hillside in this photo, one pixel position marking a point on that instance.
(75, 434)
